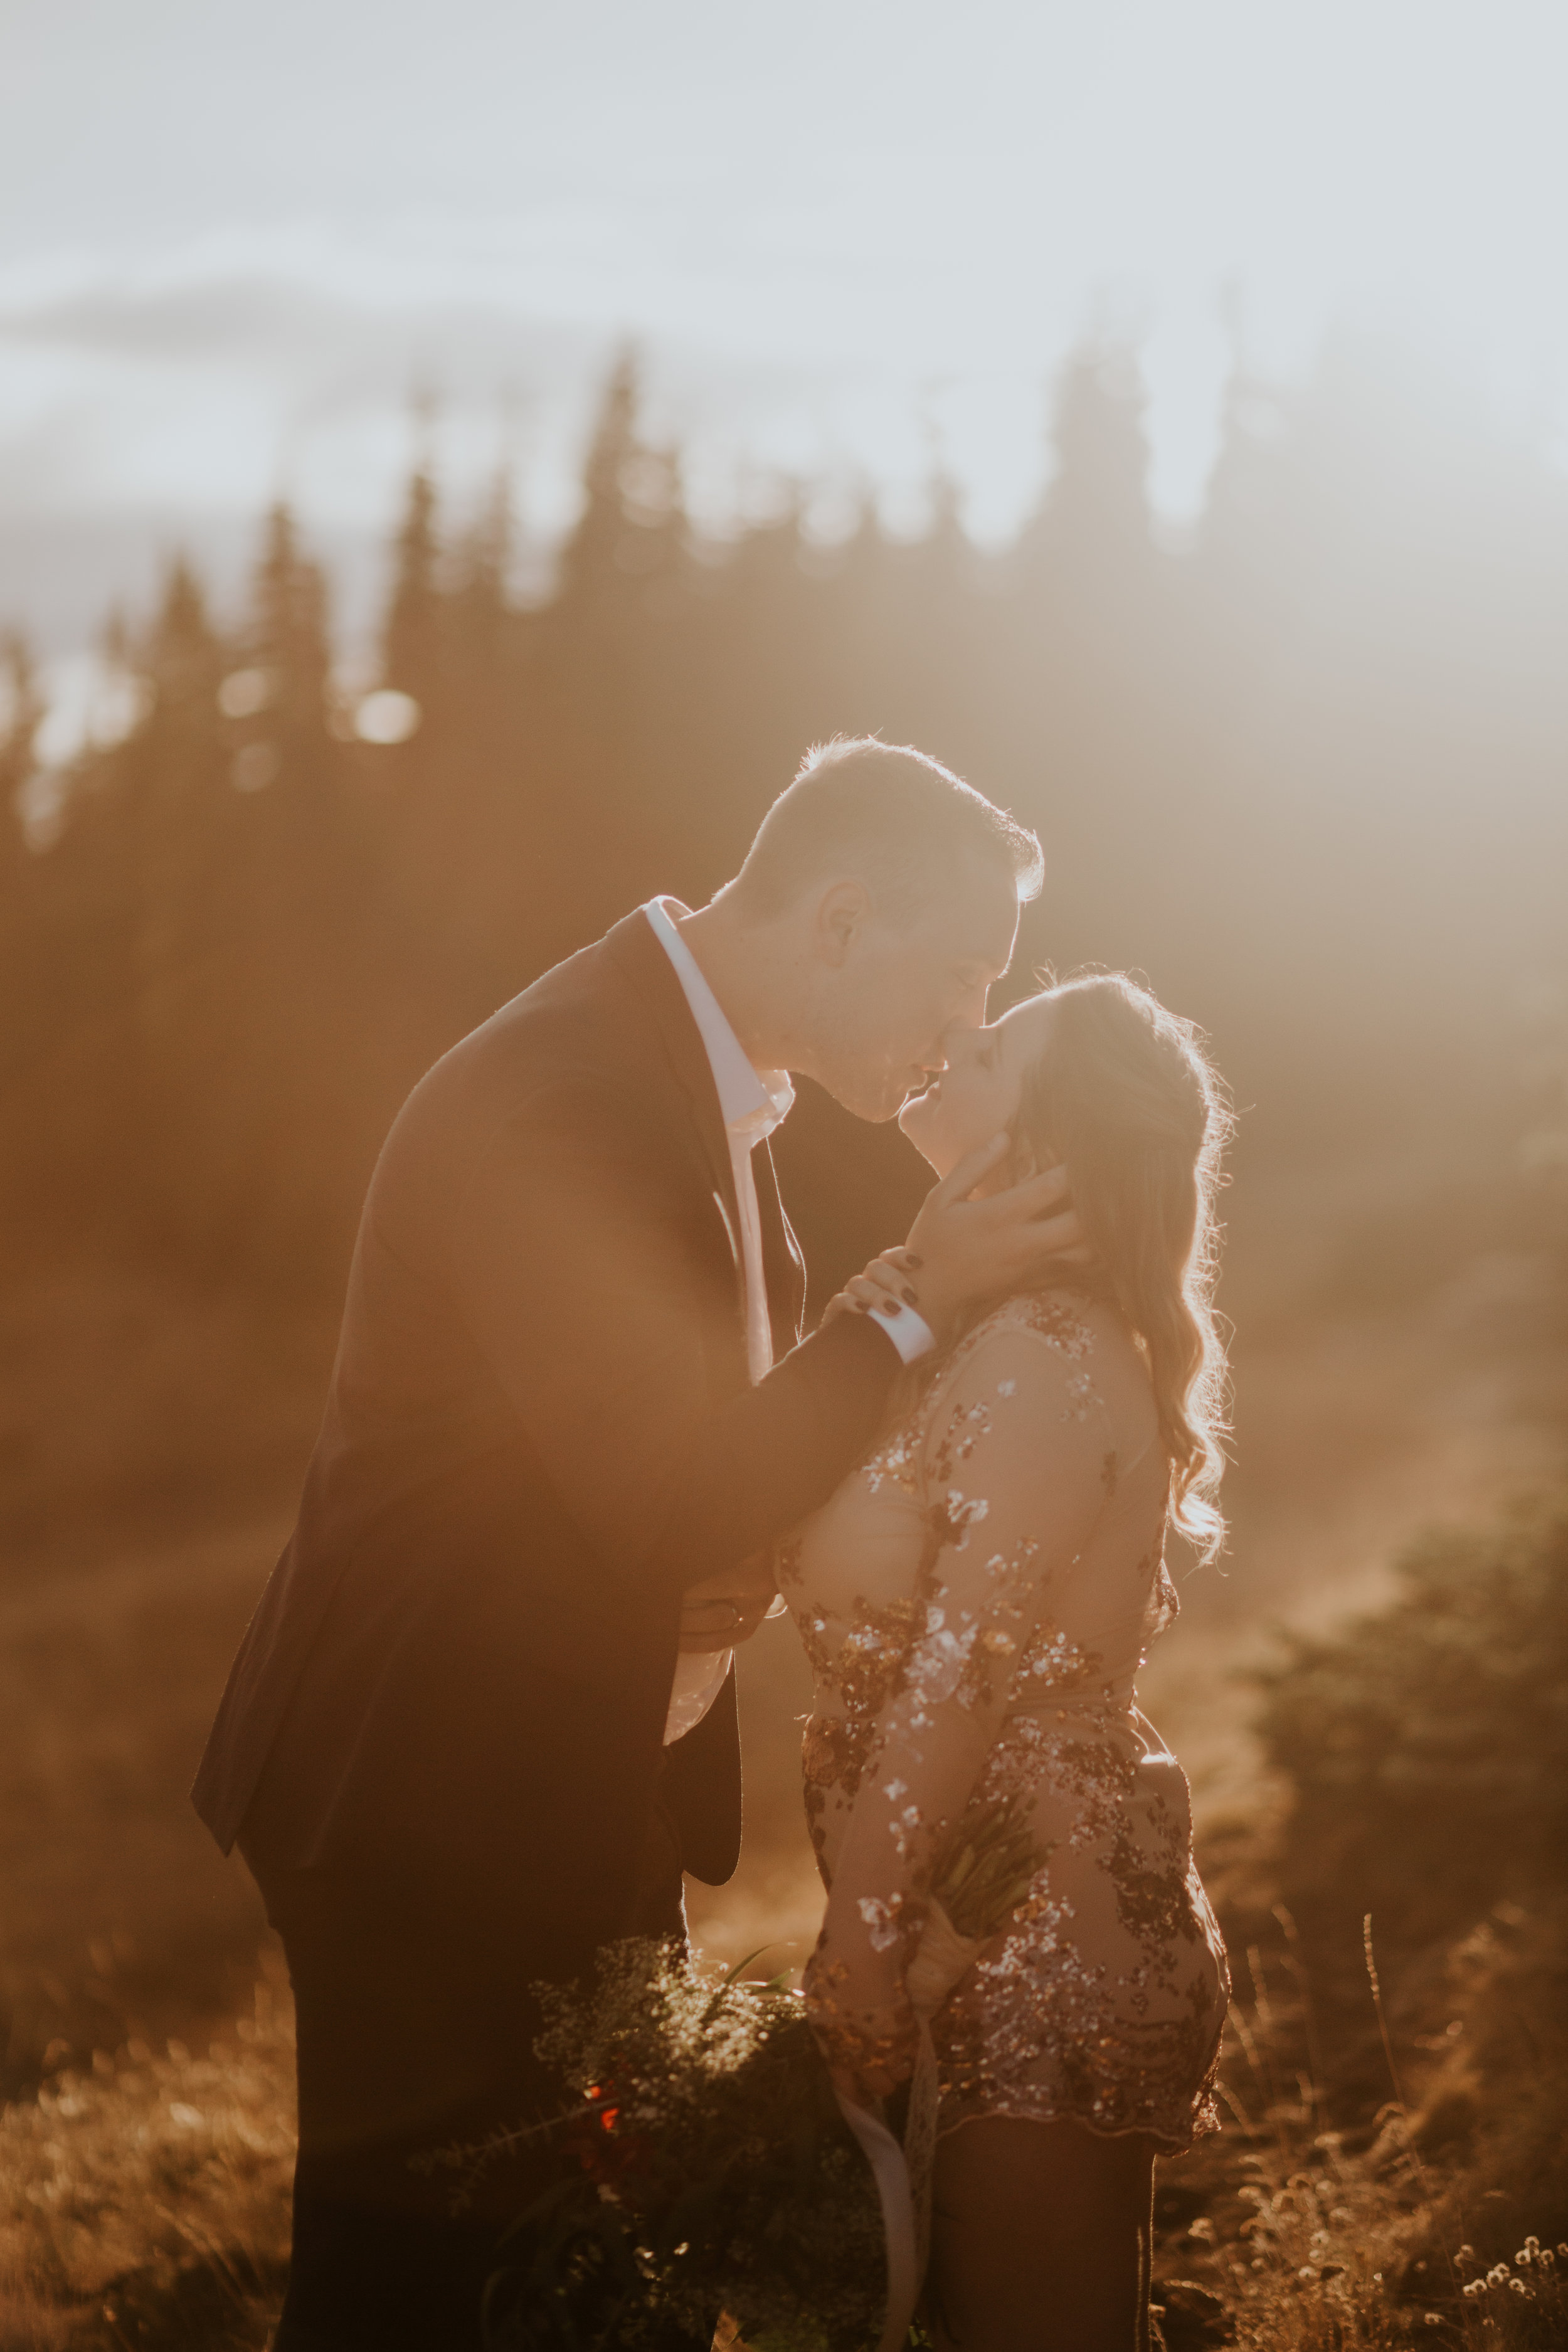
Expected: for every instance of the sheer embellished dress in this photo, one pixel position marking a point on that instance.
(975, 1602)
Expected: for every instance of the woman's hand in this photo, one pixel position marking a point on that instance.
(725, 1610)
(885, 1284)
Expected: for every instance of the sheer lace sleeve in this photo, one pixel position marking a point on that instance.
(1017, 1461)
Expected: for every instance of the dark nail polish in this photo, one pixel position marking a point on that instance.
(911, 1259)
(913, 1296)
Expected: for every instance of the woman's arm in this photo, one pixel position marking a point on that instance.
(1015, 1446)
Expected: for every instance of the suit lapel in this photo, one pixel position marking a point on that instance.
(635, 948)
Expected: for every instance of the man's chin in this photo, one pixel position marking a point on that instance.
(869, 1099)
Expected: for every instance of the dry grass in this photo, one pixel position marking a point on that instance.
(144, 2198)
(144, 2201)
(1309, 2242)
(1317, 2222)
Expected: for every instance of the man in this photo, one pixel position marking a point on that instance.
(568, 1417)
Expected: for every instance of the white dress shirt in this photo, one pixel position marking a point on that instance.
(752, 1102)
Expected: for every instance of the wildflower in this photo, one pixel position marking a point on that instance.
(1432, 2318)
(1203, 2230)
(1474, 2286)
(1518, 2286)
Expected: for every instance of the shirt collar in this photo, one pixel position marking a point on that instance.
(752, 1102)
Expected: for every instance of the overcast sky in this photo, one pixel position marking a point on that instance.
(233, 236)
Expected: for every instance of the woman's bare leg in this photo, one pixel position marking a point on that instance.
(1040, 2239)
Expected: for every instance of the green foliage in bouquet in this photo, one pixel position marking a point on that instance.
(708, 2169)
(984, 1870)
(713, 2172)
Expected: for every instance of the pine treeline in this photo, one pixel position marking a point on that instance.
(1307, 773)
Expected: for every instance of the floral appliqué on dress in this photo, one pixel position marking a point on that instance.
(975, 1602)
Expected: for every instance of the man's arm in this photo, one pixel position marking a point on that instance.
(581, 1278)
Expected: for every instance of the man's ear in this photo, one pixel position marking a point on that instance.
(841, 914)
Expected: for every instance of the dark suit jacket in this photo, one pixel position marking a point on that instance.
(540, 1430)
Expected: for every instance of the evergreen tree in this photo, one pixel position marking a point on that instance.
(413, 632)
(165, 790)
(21, 713)
(1093, 519)
(593, 553)
(289, 648)
(477, 605)
(221, 993)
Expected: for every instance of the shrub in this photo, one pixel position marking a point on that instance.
(1426, 1747)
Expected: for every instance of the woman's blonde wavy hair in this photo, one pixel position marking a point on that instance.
(1123, 1093)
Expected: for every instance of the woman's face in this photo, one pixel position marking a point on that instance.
(977, 1095)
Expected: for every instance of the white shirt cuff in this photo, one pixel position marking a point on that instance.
(697, 1683)
(911, 1334)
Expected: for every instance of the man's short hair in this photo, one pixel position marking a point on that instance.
(897, 821)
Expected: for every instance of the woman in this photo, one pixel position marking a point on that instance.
(975, 1600)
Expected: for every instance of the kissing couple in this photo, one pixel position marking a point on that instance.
(576, 1449)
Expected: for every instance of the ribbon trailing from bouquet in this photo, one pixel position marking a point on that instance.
(890, 2173)
(904, 2175)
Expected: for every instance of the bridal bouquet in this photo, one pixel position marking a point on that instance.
(712, 2169)
(713, 2172)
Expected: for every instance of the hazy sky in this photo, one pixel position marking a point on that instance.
(231, 236)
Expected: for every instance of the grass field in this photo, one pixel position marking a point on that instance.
(1402, 1361)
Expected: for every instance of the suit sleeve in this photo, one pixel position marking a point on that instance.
(579, 1278)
